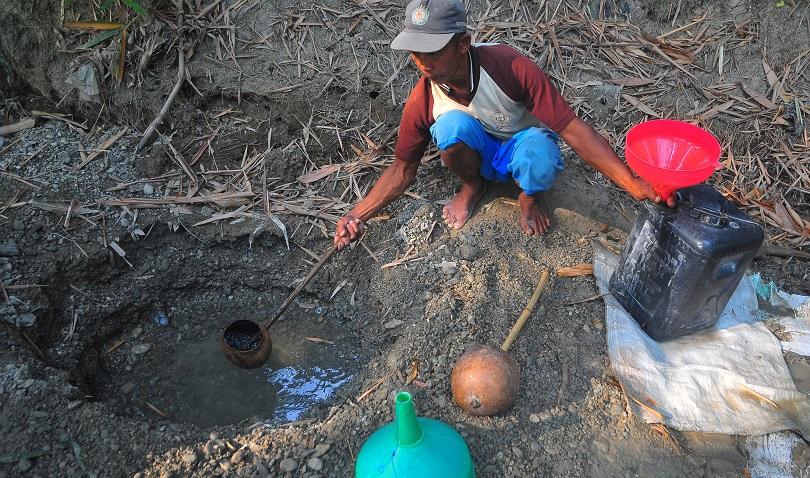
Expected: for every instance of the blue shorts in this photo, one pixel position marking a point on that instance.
(531, 157)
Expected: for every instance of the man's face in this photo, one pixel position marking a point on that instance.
(443, 65)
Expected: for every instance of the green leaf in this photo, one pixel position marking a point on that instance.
(105, 35)
(136, 7)
(106, 5)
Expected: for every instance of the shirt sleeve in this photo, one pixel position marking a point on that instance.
(414, 127)
(523, 81)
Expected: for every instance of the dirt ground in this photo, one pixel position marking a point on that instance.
(109, 363)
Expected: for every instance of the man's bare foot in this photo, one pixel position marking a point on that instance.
(460, 207)
(533, 220)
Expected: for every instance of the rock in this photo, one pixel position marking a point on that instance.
(288, 465)
(136, 332)
(24, 465)
(601, 446)
(141, 349)
(321, 449)
(517, 452)
(148, 189)
(468, 252)
(19, 225)
(393, 324)
(9, 248)
(586, 328)
(315, 463)
(260, 471)
(238, 456)
(534, 418)
(189, 457)
(441, 401)
(127, 388)
(448, 268)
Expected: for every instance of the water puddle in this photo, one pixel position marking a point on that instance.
(203, 388)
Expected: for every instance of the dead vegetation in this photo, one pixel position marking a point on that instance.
(682, 73)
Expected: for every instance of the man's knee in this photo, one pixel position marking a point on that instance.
(456, 126)
(536, 161)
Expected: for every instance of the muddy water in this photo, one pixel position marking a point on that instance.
(203, 388)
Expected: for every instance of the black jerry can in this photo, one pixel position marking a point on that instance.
(680, 265)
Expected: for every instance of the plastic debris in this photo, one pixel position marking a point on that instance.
(85, 80)
(161, 319)
(764, 290)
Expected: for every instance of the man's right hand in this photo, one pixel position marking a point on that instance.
(348, 229)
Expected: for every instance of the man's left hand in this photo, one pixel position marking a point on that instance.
(641, 190)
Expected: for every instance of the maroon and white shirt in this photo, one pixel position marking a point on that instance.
(510, 93)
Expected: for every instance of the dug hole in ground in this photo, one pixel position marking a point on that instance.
(121, 268)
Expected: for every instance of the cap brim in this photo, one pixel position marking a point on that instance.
(421, 42)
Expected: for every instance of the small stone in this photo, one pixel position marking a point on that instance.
(441, 402)
(127, 388)
(148, 189)
(601, 446)
(136, 332)
(586, 328)
(315, 463)
(534, 418)
(468, 252)
(536, 447)
(288, 465)
(321, 449)
(517, 452)
(238, 456)
(189, 457)
(393, 324)
(9, 248)
(24, 465)
(448, 268)
(225, 465)
(19, 225)
(141, 349)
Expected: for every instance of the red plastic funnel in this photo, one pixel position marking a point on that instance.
(671, 154)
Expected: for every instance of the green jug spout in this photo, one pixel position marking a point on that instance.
(409, 432)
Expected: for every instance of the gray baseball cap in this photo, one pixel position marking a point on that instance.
(430, 24)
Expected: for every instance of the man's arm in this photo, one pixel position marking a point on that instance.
(393, 182)
(595, 150)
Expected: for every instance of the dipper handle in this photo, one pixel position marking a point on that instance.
(527, 311)
(317, 267)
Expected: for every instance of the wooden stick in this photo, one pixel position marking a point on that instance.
(527, 311)
(102, 147)
(323, 260)
(181, 76)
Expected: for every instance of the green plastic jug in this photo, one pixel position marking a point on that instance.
(414, 447)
